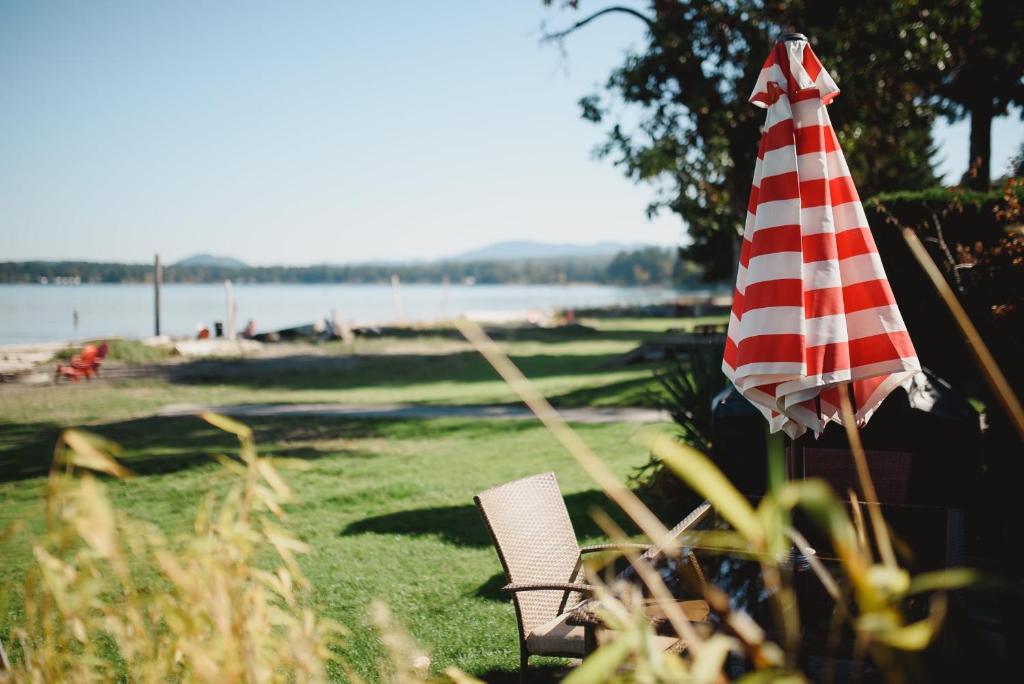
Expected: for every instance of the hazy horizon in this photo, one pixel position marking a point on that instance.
(465, 255)
(326, 132)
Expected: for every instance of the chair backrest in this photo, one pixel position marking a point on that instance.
(695, 516)
(890, 472)
(535, 542)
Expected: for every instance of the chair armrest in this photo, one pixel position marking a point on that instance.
(609, 547)
(548, 586)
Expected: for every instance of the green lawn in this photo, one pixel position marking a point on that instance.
(387, 505)
(571, 368)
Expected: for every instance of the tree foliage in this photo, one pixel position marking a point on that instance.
(650, 265)
(985, 73)
(696, 139)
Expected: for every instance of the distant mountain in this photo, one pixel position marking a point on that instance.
(526, 249)
(211, 261)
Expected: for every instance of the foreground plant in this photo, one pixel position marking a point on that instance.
(870, 597)
(213, 615)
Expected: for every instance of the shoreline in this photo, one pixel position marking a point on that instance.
(40, 314)
(671, 307)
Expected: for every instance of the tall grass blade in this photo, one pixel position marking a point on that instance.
(602, 663)
(708, 664)
(654, 582)
(701, 474)
(571, 442)
(944, 580)
(240, 430)
(820, 571)
(860, 461)
(88, 451)
(858, 522)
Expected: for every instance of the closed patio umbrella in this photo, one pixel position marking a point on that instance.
(812, 308)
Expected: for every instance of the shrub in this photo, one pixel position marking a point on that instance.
(687, 384)
(976, 239)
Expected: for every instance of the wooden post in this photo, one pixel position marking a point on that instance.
(395, 285)
(341, 328)
(158, 277)
(229, 293)
(444, 297)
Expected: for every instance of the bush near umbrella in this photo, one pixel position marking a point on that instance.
(977, 239)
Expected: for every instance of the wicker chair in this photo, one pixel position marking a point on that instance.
(537, 547)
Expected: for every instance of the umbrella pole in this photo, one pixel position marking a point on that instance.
(796, 457)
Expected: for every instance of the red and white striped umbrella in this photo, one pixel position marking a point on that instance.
(812, 307)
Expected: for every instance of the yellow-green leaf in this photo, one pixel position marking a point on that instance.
(772, 677)
(85, 453)
(227, 425)
(944, 580)
(912, 637)
(701, 474)
(602, 663)
(707, 666)
(888, 581)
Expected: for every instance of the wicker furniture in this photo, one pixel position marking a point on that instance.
(938, 530)
(587, 615)
(890, 471)
(537, 547)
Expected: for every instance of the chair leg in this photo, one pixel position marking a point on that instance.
(524, 664)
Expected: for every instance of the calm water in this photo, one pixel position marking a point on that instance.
(42, 313)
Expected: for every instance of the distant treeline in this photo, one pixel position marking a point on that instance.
(647, 266)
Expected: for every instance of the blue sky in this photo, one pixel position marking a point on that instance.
(312, 132)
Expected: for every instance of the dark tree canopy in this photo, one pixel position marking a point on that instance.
(696, 140)
(985, 74)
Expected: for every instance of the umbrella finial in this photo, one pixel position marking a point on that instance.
(786, 37)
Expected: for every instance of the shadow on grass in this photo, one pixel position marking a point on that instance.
(491, 589)
(386, 372)
(540, 673)
(159, 445)
(164, 444)
(632, 392)
(569, 333)
(463, 526)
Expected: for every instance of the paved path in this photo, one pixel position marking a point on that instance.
(610, 414)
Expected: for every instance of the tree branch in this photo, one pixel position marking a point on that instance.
(559, 35)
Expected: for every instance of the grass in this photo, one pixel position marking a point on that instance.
(576, 368)
(125, 351)
(642, 325)
(386, 505)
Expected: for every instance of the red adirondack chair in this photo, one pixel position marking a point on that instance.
(84, 365)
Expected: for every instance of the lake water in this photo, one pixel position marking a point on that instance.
(44, 313)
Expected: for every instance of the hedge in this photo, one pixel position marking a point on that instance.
(976, 239)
